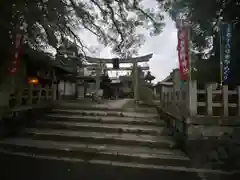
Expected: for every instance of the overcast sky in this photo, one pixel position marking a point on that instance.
(163, 48)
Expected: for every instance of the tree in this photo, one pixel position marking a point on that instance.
(48, 22)
(204, 18)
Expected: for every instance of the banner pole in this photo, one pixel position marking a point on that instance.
(189, 53)
(221, 58)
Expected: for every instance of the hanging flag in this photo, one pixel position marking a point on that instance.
(17, 53)
(183, 55)
(226, 50)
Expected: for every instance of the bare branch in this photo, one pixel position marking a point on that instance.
(135, 5)
(115, 23)
(79, 40)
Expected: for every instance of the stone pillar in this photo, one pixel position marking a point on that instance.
(192, 97)
(98, 70)
(209, 99)
(80, 89)
(4, 102)
(54, 86)
(30, 94)
(155, 92)
(64, 87)
(136, 82)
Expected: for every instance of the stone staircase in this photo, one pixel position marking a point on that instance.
(97, 144)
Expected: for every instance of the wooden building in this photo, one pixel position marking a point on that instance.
(39, 79)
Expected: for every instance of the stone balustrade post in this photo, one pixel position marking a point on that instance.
(192, 97)
(209, 99)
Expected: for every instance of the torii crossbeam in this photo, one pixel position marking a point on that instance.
(145, 58)
(129, 60)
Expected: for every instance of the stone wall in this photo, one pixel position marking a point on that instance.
(209, 142)
(218, 140)
(16, 120)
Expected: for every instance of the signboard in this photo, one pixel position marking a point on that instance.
(183, 56)
(226, 48)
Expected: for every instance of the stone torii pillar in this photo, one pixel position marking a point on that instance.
(133, 61)
(98, 80)
(136, 81)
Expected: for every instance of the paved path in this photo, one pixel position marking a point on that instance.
(114, 104)
(88, 104)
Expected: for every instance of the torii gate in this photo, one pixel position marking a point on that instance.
(133, 61)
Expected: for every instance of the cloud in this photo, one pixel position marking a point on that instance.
(164, 51)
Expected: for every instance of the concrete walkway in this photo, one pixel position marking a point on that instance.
(115, 105)
(104, 104)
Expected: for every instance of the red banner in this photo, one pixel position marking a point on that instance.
(183, 55)
(17, 54)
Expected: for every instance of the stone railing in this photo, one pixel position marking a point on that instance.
(204, 120)
(174, 101)
(211, 102)
(25, 105)
(220, 102)
(32, 95)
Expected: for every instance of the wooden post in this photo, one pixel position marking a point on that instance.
(156, 93)
(162, 100)
(165, 100)
(136, 81)
(225, 100)
(192, 96)
(47, 92)
(30, 94)
(98, 73)
(173, 104)
(19, 97)
(54, 87)
(169, 98)
(238, 91)
(39, 94)
(209, 99)
(64, 87)
(180, 98)
(160, 93)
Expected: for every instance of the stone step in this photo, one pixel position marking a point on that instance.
(105, 119)
(85, 106)
(106, 113)
(100, 138)
(104, 152)
(65, 168)
(103, 107)
(99, 127)
(53, 167)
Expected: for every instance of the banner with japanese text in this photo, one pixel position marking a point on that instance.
(226, 51)
(14, 66)
(183, 55)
